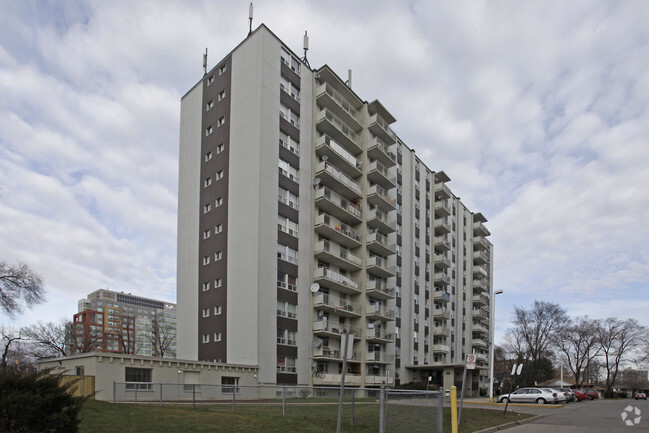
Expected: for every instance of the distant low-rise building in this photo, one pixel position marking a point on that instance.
(119, 322)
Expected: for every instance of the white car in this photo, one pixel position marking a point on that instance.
(531, 395)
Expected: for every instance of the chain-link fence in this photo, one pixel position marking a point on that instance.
(390, 411)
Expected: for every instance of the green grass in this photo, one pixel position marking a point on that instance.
(99, 417)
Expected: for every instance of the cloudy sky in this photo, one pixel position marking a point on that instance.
(537, 111)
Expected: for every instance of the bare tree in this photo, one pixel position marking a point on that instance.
(19, 287)
(126, 336)
(635, 380)
(53, 339)
(577, 345)
(84, 339)
(162, 336)
(10, 337)
(533, 333)
(617, 339)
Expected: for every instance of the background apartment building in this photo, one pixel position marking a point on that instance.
(302, 217)
(119, 322)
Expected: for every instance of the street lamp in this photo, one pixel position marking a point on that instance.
(491, 361)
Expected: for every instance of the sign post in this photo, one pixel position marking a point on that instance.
(470, 365)
(516, 371)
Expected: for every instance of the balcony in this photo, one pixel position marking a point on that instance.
(378, 173)
(442, 243)
(379, 312)
(480, 230)
(334, 254)
(441, 348)
(379, 380)
(440, 296)
(442, 260)
(327, 328)
(378, 266)
(328, 123)
(378, 151)
(479, 342)
(338, 181)
(338, 206)
(480, 257)
(481, 356)
(480, 243)
(478, 313)
(442, 279)
(377, 219)
(379, 290)
(442, 208)
(381, 129)
(337, 231)
(441, 314)
(480, 300)
(330, 98)
(442, 192)
(326, 352)
(338, 156)
(442, 225)
(378, 243)
(441, 330)
(479, 329)
(378, 196)
(378, 336)
(480, 272)
(379, 357)
(335, 281)
(480, 286)
(334, 379)
(333, 304)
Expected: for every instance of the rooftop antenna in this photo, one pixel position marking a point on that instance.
(306, 48)
(250, 18)
(349, 78)
(205, 62)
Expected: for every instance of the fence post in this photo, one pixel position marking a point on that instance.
(440, 411)
(114, 392)
(136, 387)
(382, 409)
(160, 394)
(284, 403)
(234, 399)
(193, 396)
(352, 391)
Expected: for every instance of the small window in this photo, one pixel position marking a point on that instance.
(218, 255)
(219, 174)
(219, 201)
(221, 95)
(206, 234)
(222, 69)
(206, 286)
(217, 310)
(207, 208)
(217, 336)
(229, 384)
(208, 181)
(218, 228)
(206, 260)
(209, 129)
(209, 105)
(220, 122)
(218, 282)
(206, 338)
(208, 156)
(210, 80)
(206, 312)
(79, 370)
(220, 148)
(142, 375)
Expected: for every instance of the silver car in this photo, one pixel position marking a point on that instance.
(530, 395)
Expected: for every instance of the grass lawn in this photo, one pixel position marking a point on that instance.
(99, 417)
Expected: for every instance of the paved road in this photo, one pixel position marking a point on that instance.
(597, 416)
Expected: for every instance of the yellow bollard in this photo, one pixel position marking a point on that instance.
(453, 409)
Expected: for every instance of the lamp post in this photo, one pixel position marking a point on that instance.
(491, 348)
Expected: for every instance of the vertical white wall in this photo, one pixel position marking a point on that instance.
(252, 216)
(189, 187)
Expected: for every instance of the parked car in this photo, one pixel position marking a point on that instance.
(579, 394)
(564, 395)
(531, 395)
(590, 393)
(640, 395)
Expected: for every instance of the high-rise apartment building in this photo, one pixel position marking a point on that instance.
(303, 217)
(119, 322)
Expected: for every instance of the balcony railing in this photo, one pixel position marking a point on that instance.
(376, 149)
(337, 251)
(335, 328)
(288, 92)
(340, 126)
(295, 149)
(335, 303)
(340, 100)
(334, 276)
(340, 177)
(377, 310)
(380, 287)
(336, 150)
(338, 226)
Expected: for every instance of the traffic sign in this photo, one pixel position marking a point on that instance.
(470, 361)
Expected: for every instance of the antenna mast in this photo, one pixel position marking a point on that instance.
(250, 18)
(306, 48)
(205, 62)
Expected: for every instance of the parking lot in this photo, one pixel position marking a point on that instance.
(597, 416)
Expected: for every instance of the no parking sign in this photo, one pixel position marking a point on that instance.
(470, 361)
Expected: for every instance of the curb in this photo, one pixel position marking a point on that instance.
(509, 425)
(549, 406)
